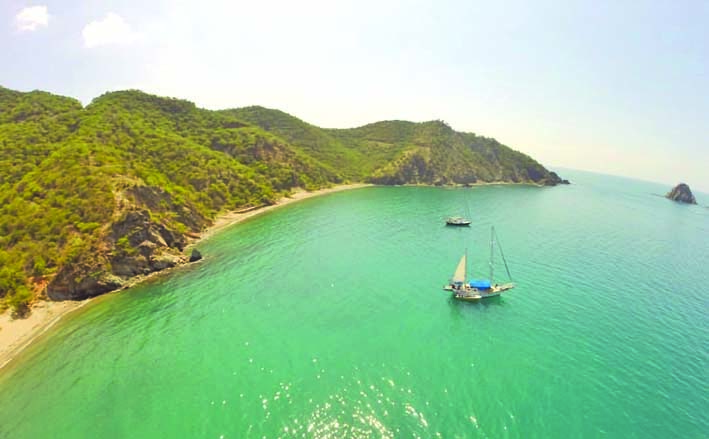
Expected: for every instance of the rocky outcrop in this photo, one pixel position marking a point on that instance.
(195, 256)
(156, 199)
(140, 246)
(554, 179)
(425, 166)
(137, 227)
(73, 283)
(681, 193)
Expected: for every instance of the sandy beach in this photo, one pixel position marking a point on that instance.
(17, 334)
(230, 218)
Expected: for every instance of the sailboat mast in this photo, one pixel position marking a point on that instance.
(502, 253)
(492, 251)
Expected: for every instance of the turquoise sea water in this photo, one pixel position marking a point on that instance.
(326, 318)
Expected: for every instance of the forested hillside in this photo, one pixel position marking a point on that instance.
(90, 197)
(401, 152)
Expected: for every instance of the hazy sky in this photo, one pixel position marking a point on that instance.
(613, 86)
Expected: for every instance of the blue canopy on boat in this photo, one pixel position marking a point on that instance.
(481, 284)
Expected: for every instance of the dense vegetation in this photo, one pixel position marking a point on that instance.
(400, 152)
(92, 196)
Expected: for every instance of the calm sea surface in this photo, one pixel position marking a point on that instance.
(326, 318)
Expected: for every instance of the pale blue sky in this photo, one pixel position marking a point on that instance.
(613, 86)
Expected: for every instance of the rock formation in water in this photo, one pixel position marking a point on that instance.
(682, 194)
(195, 256)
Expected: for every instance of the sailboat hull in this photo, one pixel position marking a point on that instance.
(473, 294)
(458, 224)
(474, 297)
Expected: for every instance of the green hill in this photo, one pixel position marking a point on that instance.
(90, 197)
(401, 152)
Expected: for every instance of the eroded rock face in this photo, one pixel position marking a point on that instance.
(137, 227)
(139, 246)
(155, 199)
(72, 283)
(682, 194)
(143, 246)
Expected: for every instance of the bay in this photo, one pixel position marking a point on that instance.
(326, 318)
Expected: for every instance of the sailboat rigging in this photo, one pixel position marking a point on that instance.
(476, 289)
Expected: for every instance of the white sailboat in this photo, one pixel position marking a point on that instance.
(476, 289)
(459, 220)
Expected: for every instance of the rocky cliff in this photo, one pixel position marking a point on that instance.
(135, 245)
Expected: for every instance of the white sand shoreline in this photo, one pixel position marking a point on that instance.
(17, 334)
(230, 218)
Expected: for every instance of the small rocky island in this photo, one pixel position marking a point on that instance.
(681, 193)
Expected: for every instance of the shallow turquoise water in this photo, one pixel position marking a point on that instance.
(326, 319)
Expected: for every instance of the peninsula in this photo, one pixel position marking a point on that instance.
(92, 197)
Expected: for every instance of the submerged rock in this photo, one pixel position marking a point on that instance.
(682, 194)
(195, 256)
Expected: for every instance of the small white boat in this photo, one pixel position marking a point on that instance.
(457, 221)
(461, 220)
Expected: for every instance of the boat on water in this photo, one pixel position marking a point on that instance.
(457, 221)
(477, 289)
